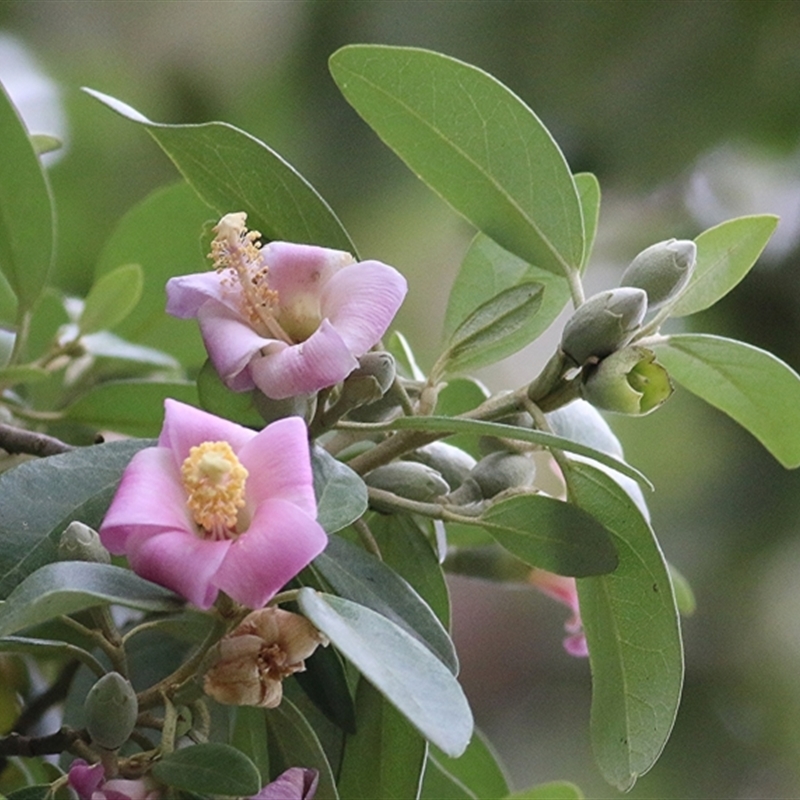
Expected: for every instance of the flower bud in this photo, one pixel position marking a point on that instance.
(408, 479)
(629, 381)
(503, 470)
(111, 709)
(452, 463)
(301, 405)
(79, 542)
(662, 270)
(604, 323)
(368, 383)
(379, 365)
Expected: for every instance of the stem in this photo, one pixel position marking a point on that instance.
(575, 287)
(392, 502)
(366, 538)
(19, 440)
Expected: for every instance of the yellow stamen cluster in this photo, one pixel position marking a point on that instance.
(214, 480)
(236, 250)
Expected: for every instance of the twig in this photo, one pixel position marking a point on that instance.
(19, 440)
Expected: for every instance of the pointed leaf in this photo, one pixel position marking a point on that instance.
(56, 490)
(249, 736)
(478, 770)
(725, 254)
(68, 586)
(474, 142)
(112, 298)
(356, 575)
(402, 669)
(38, 647)
(752, 386)
(386, 757)
(589, 194)
(209, 769)
(233, 171)
(26, 214)
(341, 493)
(551, 534)
(632, 629)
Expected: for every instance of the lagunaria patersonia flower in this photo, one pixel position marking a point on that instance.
(563, 589)
(286, 318)
(217, 507)
(267, 646)
(90, 784)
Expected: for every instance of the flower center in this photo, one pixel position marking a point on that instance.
(214, 480)
(236, 250)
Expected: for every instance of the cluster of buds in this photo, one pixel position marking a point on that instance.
(617, 374)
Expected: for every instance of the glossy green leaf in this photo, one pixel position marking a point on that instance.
(64, 587)
(725, 254)
(75, 485)
(386, 757)
(112, 297)
(402, 669)
(494, 330)
(50, 647)
(474, 142)
(551, 534)
(135, 408)
(233, 171)
(293, 743)
(632, 629)
(209, 769)
(752, 386)
(249, 735)
(215, 397)
(589, 194)
(162, 234)
(477, 770)
(486, 271)
(26, 214)
(356, 575)
(555, 790)
(341, 493)
(439, 784)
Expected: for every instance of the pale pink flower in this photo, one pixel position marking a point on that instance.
(296, 783)
(287, 318)
(563, 589)
(90, 784)
(217, 507)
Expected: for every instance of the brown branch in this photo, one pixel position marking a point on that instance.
(15, 744)
(19, 440)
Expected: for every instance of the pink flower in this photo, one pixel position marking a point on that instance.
(288, 319)
(217, 507)
(90, 784)
(294, 784)
(563, 589)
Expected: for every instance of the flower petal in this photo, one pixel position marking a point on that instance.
(281, 540)
(85, 779)
(300, 269)
(279, 464)
(322, 360)
(150, 497)
(186, 426)
(296, 783)
(180, 561)
(186, 294)
(361, 300)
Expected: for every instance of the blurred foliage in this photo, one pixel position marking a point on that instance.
(646, 95)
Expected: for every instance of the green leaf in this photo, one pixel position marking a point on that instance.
(725, 254)
(354, 574)
(293, 743)
(589, 194)
(209, 769)
(75, 485)
(486, 271)
(386, 757)
(233, 171)
(555, 790)
(50, 647)
(112, 298)
(403, 670)
(439, 784)
(341, 493)
(633, 633)
(68, 586)
(26, 214)
(478, 770)
(551, 534)
(494, 330)
(474, 142)
(457, 397)
(750, 385)
(162, 234)
(45, 143)
(249, 736)
(216, 398)
(407, 366)
(135, 408)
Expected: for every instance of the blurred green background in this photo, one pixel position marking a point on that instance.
(689, 113)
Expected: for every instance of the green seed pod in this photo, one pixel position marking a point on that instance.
(629, 381)
(662, 270)
(451, 462)
(111, 709)
(408, 479)
(79, 542)
(603, 324)
(500, 471)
